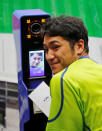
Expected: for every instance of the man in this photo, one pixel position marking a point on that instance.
(76, 87)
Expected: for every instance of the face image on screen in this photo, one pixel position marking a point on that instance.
(36, 63)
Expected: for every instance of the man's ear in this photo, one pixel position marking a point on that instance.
(79, 47)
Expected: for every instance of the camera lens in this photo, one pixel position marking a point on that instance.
(35, 28)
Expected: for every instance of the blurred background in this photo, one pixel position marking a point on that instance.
(88, 10)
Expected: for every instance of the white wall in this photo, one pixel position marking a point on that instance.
(95, 49)
(8, 66)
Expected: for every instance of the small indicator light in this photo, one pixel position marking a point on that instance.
(28, 36)
(28, 21)
(43, 20)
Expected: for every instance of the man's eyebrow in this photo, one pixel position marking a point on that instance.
(52, 42)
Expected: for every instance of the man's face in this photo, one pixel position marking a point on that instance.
(35, 60)
(58, 52)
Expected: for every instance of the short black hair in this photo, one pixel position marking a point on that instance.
(70, 28)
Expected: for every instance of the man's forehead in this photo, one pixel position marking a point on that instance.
(51, 40)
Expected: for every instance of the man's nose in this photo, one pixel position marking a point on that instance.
(50, 55)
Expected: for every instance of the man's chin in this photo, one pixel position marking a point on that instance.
(56, 71)
(56, 68)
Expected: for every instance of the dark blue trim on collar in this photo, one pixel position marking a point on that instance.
(62, 97)
(83, 57)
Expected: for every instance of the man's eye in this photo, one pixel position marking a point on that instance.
(55, 47)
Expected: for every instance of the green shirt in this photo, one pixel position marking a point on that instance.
(76, 98)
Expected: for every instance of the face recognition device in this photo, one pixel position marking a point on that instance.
(31, 64)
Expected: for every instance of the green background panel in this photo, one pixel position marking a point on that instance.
(88, 10)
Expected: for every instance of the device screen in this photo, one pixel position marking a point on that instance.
(36, 63)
